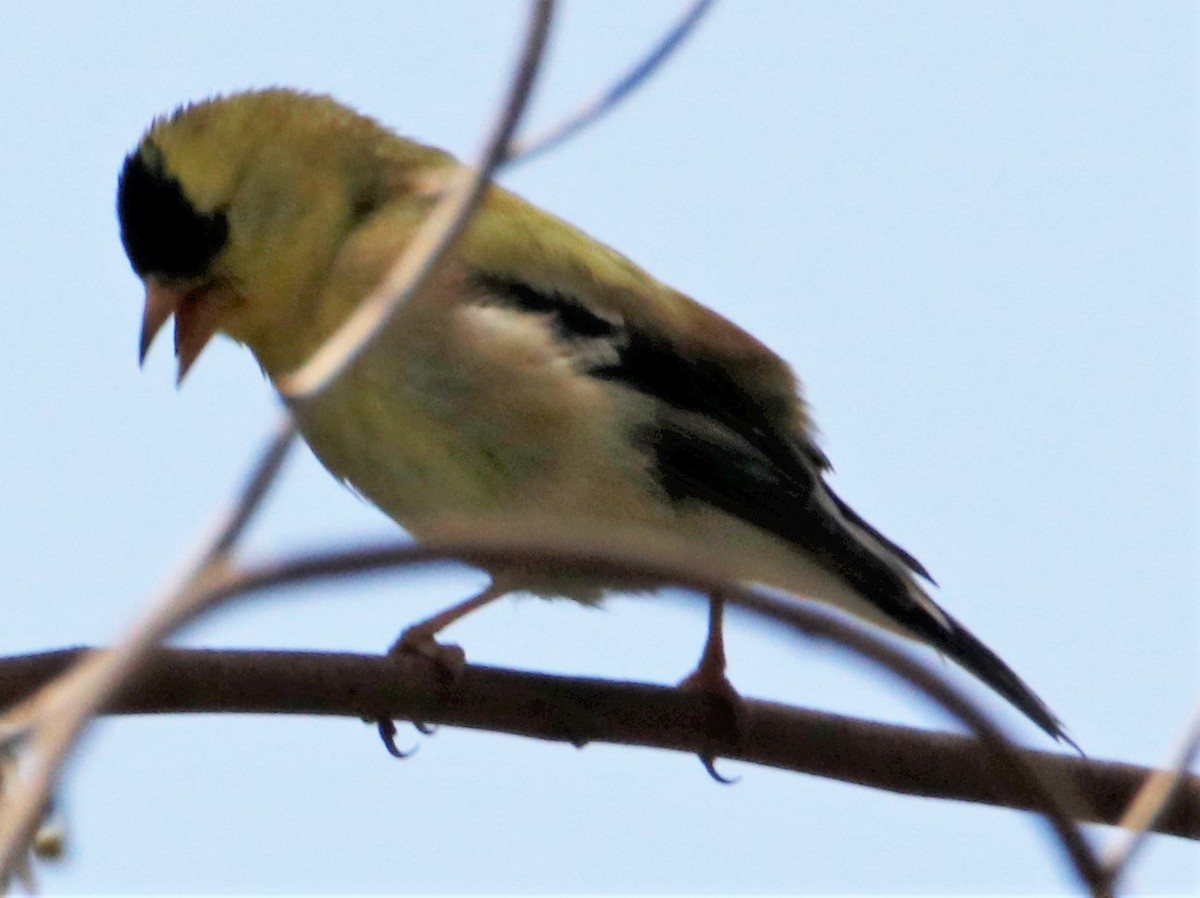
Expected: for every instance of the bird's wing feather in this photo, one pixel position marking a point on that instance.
(710, 440)
(713, 441)
(741, 400)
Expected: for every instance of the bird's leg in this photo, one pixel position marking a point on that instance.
(727, 711)
(709, 675)
(419, 639)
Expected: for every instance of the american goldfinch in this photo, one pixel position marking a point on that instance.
(537, 373)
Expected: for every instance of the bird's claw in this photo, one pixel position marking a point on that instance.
(387, 732)
(726, 718)
(710, 765)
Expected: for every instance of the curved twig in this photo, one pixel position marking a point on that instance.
(262, 476)
(605, 102)
(77, 690)
(621, 557)
(1153, 799)
(87, 687)
(436, 235)
(581, 710)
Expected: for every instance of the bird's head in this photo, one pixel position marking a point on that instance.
(233, 211)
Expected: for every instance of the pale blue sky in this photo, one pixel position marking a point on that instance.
(971, 227)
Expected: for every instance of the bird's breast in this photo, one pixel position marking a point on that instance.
(476, 421)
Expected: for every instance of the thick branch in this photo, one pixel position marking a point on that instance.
(577, 710)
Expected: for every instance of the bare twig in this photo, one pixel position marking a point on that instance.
(262, 477)
(62, 710)
(50, 722)
(900, 759)
(605, 102)
(463, 194)
(645, 558)
(436, 235)
(1153, 799)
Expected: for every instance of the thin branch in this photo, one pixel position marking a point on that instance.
(50, 722)
(219, 539)
(578, 710)
(625, 556)
(64, 708)
(262, 476)
(605, 102)
(1154, 799)
(436, 235)
(629, 556)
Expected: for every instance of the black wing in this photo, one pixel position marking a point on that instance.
(710, 442)
(713, 443)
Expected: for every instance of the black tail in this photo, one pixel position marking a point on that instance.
(756, 477)
(885, 575)
(960, 644)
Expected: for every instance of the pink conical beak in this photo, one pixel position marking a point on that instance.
(193, 325)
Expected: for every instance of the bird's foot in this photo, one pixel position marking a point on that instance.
(726, 715)
(450, 660)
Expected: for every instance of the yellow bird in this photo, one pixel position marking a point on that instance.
(538, 373)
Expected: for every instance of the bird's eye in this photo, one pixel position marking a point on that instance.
(162, 232)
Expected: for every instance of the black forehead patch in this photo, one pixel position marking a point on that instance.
(162, 232)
